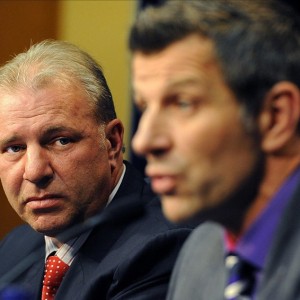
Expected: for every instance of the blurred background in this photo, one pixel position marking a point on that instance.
(99, 27)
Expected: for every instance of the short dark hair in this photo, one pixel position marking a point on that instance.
(257, 43)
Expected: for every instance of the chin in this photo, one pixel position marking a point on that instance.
(179, 209)
(49, 228)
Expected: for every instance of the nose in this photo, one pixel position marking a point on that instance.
(152, 136)
(38, 168)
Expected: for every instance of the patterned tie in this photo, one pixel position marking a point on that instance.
(241, 278)
(55, 270)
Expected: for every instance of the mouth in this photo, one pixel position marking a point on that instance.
(46, 202)
(163, 184)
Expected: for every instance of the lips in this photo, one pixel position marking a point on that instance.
(163, 184)
(50, 201)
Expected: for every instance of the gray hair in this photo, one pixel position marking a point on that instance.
(61, 63)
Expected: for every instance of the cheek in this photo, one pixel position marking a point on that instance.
(215, 135)
(89, 167)
(84, 159)
(216, 147)
(11, 182)
(12, 189)
(202, 140)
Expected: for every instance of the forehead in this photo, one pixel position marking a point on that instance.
(51, 95)
(191, 56)
(25, 107)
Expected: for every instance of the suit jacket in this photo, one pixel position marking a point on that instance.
(130, 259)
(200, 274)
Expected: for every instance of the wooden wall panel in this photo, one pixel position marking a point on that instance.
(22, 23)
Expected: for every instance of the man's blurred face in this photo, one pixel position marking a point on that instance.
(191, 131)
(54, 164)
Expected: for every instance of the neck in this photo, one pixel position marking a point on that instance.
(278, 169)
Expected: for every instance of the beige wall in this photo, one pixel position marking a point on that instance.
(99, 27)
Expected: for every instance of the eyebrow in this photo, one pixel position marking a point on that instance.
(9, 140)
(182, 82)
(45, 134)
(173, 84)
(54, 130)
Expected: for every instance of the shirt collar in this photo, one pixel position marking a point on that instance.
(254, 245)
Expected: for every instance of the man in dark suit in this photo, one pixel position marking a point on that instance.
(61, 165)
(218, 86)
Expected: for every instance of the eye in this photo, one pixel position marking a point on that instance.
(183, 103)
(14, 149)
(63, 141)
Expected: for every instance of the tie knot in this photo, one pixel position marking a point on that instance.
(55, 271)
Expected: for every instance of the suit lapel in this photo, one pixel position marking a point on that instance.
(200, 272)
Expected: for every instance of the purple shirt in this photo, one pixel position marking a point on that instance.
(255, 244)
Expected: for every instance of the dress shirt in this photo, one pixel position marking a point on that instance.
(255, 244)
(68, 251)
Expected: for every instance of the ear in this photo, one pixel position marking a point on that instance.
(279, 118)
(114, 132)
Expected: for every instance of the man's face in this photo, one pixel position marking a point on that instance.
(54, 164)
(191, 132)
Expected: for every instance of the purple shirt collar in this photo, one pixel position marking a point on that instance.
(255, 244)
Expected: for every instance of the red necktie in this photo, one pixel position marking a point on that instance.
(55, 271)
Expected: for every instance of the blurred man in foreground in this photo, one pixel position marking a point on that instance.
(61, 165)
(217, 83)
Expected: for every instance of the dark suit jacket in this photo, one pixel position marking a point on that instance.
(130, 259)
(200, 274)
